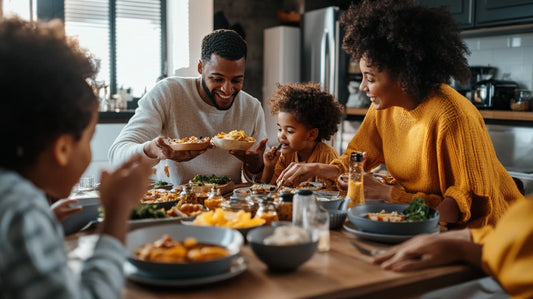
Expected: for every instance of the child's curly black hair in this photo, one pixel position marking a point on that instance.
(45, 89)
(311, 107)
(418, 45)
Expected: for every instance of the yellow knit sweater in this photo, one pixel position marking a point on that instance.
(322, 153)
(508, 249)
(439, 149)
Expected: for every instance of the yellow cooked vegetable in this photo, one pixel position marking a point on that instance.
(219, 217)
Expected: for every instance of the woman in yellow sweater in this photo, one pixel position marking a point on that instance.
(432, 140)
(306, 117)
(505, 252)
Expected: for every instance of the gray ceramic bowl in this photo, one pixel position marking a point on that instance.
(357, 216)
(336, 218)
(229, 238)
(280, 258)
(330, 203)
(88, 214)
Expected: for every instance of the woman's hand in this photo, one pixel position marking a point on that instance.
(62, 208)
(343, 181)
(375, 188)
(426, 251)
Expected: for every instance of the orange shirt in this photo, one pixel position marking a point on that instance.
(322, 153)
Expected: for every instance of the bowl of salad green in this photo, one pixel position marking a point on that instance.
(394, 219)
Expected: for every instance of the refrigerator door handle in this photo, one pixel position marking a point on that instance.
(324, 49)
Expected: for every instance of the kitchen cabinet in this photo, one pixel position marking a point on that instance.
(475, 14)
(461, 10)
(497, 12)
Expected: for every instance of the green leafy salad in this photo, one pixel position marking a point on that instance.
(202, 180)
(148, 211)
(418, 211)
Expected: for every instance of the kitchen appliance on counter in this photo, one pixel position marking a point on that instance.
(494, 94)
(478, 73)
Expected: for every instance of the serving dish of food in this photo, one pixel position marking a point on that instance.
(394, 219)
(234, 140)
(183, 251)
(161, 198)
(191, 143)
(241, 220)
(204, 183)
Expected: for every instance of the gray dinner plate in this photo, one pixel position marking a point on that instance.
(382, 238)
(238, 266)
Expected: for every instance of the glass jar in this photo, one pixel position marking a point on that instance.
(285, 206)
(187, 196)
(255, 200)
(308, 214)
(356, 192)
(522, 100)
(267, 211)
(214, 200)
(236, 203)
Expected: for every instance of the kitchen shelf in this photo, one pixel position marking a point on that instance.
(511, 116)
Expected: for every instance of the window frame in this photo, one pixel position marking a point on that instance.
(55, 9)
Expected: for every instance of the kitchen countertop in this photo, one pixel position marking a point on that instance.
(122, 116)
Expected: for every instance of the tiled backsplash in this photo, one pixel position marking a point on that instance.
(511, 54)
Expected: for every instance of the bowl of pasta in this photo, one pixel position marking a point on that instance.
(183, 251)
(234, 140)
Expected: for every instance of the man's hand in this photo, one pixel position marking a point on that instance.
(252, 159)
(159, 149)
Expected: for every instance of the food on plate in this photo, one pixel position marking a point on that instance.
(190, 209)
(168, 250)
(416, 211)
(288, 235)
(209, 180)
(262, 189)
(311, 185)
(166, 171)
(155, 196)
(383, 216)
(187, 140)
(219, 217)
(235, 135)
(147, 211)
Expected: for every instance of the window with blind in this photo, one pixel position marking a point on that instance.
(126, 36)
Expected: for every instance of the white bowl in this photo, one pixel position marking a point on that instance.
(230, 144)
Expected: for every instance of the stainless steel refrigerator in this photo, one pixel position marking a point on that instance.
(323, 60)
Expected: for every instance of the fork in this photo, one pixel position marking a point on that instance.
(366, 251)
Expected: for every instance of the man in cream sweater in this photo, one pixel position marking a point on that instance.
(179, 107)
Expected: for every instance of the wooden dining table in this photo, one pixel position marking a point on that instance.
(341, 272)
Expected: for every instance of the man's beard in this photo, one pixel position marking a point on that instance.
(211, 96)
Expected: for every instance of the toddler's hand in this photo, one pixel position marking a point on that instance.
(271, 157)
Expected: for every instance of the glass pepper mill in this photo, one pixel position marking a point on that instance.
(356, 192)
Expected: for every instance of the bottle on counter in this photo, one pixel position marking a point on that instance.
(356, 193)
(267, 211)
(309, 214)
(214, 199)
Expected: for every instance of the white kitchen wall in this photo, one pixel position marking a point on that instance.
(511, 54)
(104, 136)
